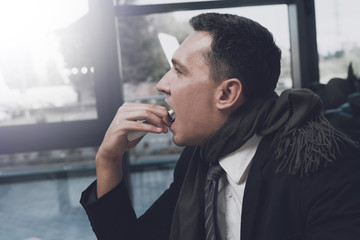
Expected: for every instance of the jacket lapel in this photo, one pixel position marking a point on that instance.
(253, 188)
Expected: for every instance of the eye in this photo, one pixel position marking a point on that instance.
(178, 71)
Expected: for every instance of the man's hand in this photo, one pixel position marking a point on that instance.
(128, 118)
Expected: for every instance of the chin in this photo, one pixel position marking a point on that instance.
(185, 141)
(178, 142)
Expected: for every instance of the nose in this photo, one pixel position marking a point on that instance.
(164, 84)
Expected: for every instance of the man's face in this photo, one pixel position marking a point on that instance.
(191, 92)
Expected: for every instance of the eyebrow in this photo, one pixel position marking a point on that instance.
(177, 64)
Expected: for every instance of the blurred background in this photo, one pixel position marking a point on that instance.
(66, 66)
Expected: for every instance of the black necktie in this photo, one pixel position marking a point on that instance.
(211, 188)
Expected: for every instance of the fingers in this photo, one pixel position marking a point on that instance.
(145, 116)
(146, 126)
(133, 117)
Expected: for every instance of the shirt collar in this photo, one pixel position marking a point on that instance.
(237, 163)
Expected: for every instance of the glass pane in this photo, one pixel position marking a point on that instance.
(44, 207)
(144, 61)
(338, 37)
(40, 194)
(46, 74)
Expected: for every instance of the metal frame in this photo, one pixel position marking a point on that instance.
(304, 55)
(130, 10)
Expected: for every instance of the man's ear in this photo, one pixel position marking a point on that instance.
(229, 95)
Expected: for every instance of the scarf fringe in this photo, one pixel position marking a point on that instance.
(308, 147)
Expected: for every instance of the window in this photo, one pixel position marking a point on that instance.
(149, 56)
(46, 74)
(338, 41)
(59, 81)
(47, 147)
(59, 89)
(337, 37)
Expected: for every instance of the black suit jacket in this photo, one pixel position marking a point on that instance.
(276, 206)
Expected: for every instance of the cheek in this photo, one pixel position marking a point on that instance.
(192, 121)
(188, 105)
(194, 102)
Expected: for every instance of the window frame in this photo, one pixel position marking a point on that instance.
(107, 75)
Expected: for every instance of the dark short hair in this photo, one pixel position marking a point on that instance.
(243, 49)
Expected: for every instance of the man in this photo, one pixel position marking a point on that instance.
(288, 173)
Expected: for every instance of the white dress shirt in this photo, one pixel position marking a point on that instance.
(231, 188)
